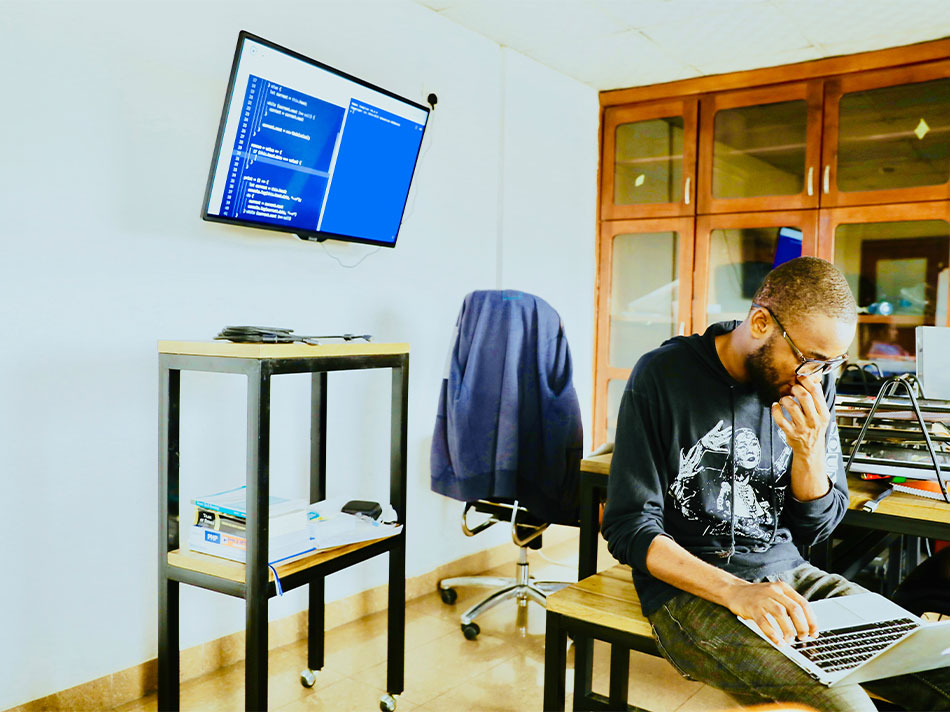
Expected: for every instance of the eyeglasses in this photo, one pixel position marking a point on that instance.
(808, 366)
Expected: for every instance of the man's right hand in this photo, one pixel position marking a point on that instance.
(769, 604)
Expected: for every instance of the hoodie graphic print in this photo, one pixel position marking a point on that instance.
(699, 459)
(702, 490)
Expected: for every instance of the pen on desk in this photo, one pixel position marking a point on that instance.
(871, 504)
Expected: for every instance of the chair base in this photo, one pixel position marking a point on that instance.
(522, 588)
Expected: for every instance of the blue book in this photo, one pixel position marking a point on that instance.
(233, 502)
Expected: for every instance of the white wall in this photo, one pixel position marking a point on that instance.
(109, 116)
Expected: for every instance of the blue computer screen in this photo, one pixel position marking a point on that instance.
(306, 149)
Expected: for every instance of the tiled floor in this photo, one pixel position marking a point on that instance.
(502, 670)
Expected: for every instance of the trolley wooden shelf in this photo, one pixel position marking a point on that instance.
(254, 581)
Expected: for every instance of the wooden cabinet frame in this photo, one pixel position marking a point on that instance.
(804, 220)
(831, 219)
(615, 117)
(834, 90)
(710, 105)
(603, 371)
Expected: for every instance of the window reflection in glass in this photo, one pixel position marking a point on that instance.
(898, 272)
(644, 296)
(648, 162)
(760, 150)
(894, 137)
(739, 259)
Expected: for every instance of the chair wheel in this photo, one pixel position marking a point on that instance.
(307, 677)
(470, 630)
(387, 703)
(449, 595)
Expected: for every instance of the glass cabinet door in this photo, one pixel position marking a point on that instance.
(734, 253)
(649, 160)
(887, 136)
(643, 298)
(760, 149)
(896, 259)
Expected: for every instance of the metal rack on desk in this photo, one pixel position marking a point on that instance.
(895, 433)
(254, 582)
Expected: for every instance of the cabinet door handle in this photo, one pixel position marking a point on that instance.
(686, 190)
(811, 175)
(682, 328)
(827, 181)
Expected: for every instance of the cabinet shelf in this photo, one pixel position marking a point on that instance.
(898, 319)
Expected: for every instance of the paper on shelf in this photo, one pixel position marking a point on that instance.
(329, 527)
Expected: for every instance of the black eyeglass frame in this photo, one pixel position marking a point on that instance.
(822, 366)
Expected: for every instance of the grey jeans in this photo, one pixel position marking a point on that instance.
(706, 642)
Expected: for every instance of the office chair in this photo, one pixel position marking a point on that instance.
(508, 435)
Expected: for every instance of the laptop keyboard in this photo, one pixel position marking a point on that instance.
(845, 648)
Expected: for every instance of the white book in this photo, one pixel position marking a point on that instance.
(229, 546)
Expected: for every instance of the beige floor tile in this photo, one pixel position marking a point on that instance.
(513, 684)
(347, 695)
(437, 667)
(708, 699)
(361, 645)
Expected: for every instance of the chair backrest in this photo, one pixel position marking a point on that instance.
(509, 425)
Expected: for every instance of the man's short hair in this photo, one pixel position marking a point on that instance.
(806, 286)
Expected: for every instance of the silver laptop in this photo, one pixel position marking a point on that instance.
(866, 637)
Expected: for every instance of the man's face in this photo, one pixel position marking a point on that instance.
(772, 367)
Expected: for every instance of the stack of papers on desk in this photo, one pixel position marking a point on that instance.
(330, 527)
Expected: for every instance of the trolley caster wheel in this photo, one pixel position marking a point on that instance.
(308, 677)
(387, 703)
(449, 596)
(470, 630)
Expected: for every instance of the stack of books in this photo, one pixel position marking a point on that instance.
(220, 526)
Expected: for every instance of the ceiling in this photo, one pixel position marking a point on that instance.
(612, 44)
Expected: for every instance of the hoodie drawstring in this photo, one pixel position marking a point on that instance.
(732, 492)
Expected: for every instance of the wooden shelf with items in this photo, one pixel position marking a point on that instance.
(256, 581)
(236, 571)
(897, 319)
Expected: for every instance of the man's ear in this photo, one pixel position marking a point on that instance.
(759, 323)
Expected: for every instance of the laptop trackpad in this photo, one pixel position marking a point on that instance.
(845, 611)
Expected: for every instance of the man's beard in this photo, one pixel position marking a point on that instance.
(762, 373)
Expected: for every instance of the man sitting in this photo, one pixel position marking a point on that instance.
(727, 457)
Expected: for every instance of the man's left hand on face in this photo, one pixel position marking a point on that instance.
(807, 420)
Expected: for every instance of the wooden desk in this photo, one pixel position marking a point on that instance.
(254, 582)
(900, 513)
(594, 475)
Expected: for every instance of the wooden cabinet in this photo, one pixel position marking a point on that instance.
(733, 254)
(760, 149)
(851, 155)
(897, 260)
(886, 136)
(649, 160)
(644, 297)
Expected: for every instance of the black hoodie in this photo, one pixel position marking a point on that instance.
(698, 458)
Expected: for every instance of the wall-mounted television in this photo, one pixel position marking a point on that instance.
(310, 150)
